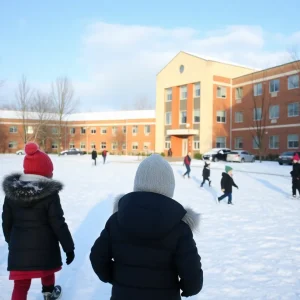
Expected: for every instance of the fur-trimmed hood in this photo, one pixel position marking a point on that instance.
(29, 189)
(187, 215)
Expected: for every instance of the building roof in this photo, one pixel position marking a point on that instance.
(93, 116)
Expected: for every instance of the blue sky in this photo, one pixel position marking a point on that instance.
(97, 43)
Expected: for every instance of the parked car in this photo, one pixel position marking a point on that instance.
(20, 152)
(216, 154)
(240, 156)
(73, 151)
(286, 158)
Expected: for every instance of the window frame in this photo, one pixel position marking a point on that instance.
(194, 122)
(274, 118)
(271, 146)
(71, 130)
(221, 88)
(103, 145)
(197, 89)
(225, 117)
(145, 132)
(272, 85)
(239, 97)
(240, 113)
(254, 143)
(82, 144)
(255, 89)
(293, 116)
(168, 94)
(14, 145)
(103, 130)
(295, 87)
(134, 130)
(93, 130)
(221, 146)
(170, 113)
(135, 144)
(180, 118)
(13, 127)
(255, 114)
(288, 141)
(185, 93)
(169, 144)
(241, 142)
(196, 145)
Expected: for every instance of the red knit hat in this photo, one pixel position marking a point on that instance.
(37, 162)
(296, 156)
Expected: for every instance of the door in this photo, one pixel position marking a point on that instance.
(184, 147)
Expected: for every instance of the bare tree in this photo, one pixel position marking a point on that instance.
(63, 105)
(119, 138)
(143, 103)
(3, 138)
(23, 105)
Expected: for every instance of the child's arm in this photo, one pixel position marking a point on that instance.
(233, 183)
(101, 256)
(188, 264)
(7, 221)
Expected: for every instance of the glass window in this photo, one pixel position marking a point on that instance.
(293, 141)
(293, 82)
(255, 142)
(183, 117)
(114, 146)
(183, 92)
(82, 130)
(169, 94)
(103, 145)
(124, 129)
(238, 143)
(54, 146)
(257, 89)
(93, 146)
(257, 114)
(293, 109)
(239, 117)
(147, 129)
(54, 130)
(93, 131)
(238, 93)
(196, 145)
(124, 146)
(12, 145)
(82, 145)
(114, 130)
(221, 116)
(134, 129)
(72, 130)
(146, 146)
(274, 111)
(29, 130)
(71, 145)
(196, 115)
(135, 146)
(103, 130)
(221, 92)
(167, 144)
(168, 118)
(274, 142)
(274, 85)
(221, 142)
(197, 89)
(13, 129)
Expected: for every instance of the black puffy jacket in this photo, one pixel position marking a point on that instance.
(227, 182)
(33, 224)
(147, 251)
(295, 173)
(206, 171)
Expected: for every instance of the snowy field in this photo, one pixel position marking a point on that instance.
(249, 251)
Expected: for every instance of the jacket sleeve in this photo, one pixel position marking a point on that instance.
(101, 256)
(58, 224)
(234, 184)
(7, 220)
(223, 183)
(188, 264)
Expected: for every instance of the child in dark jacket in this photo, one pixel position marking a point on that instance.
(226, 185)
(206, 173)
(146, 250)
(33, 226)
(295, 173)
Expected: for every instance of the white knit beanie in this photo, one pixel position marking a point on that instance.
(155, 174)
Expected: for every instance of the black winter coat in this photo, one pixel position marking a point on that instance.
(33, 224)
(94, 154)
(295, 173)
(227, 182)
(146, 250)
(206, 171)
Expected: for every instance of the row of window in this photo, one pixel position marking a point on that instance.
(183, 117)
(183, 92)
(196, 145)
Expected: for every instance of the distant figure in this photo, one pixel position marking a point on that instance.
(226, 185)
(170, 152)
(206, 173)
(187, 162)
(94, 156)
(104, 154)
(295, 173)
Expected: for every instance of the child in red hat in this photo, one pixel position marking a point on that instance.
(33, 226)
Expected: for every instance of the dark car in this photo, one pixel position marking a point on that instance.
(73, 151)
(286, 158)
(216, 154)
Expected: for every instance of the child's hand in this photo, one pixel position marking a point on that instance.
(223, 190)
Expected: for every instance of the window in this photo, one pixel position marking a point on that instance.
(82, 145)
(103, 145)
(103, 130)
(134, 130)
(238, 143)
(147, 129)
(221, 92)
(274, 142)
(167, 144)
(255, 143)
(221, 142)
(114, 146)
(114, 130)
(293, 109)
(239, 117)
(293, 141)
(221, 116)
(168, 118)
(257, 114)
(124, 146)
(135, 146)
(82, 130)
(54, 130)
(183, 92)
(146, 146)
(93, 146)
(124, 129)
(54, 146)
(196, 145)
(12, 145)
(274, 112)
(93, 131)
(183, 117)
(257, 89)
(196, 115)
(238, 93)
(29, 130)
(72, 130)
(293, 82)
(197, 89)
(274, 85)
(71, 145)
(13, 129)
(169, 94)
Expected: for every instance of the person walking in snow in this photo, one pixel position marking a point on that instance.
(226, 185)
(187, 162)
(33, 226)
(206, 173)
(295, 173)
(146, 250)
(104, 154)
(94, 156)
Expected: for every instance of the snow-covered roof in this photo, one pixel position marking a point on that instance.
(91, 116)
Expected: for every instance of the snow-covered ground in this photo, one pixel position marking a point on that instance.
(249, 251)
